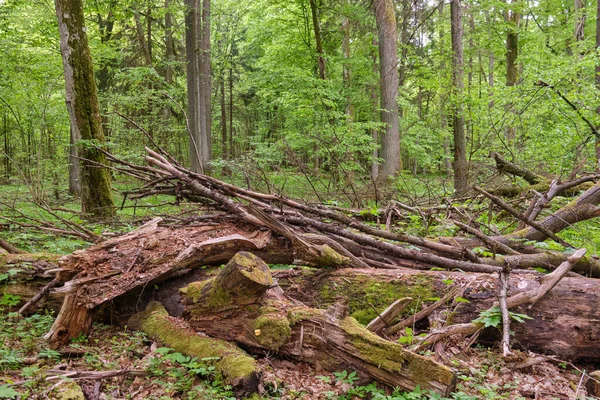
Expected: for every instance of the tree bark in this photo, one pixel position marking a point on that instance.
(459, 164)
(84, 114)
(513, 19)
(598, 79)
(237, 306)
(385, 16)
(569, 311)
(314, 10)
(197, 46)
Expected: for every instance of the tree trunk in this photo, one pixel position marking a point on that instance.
(193, 81)
(598, 79)
(205, 89)
(569, 311)
(385, 16)
(314, 10)
(512, 50)
(224, 151)
(346, 67)
(74, 177)
(197, 46)
(459, 164)
(236, 306)
(84, 114)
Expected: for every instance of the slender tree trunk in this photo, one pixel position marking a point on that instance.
(205, 89)
(318, 41)
(385, 16)
(346, 68)
(223, 119)
(598, 78)
(458, 120)
(513, 19)
(82, 105)
(169, 44)
(193, 81)
(580, 17)
(231, 149)
(374, 106)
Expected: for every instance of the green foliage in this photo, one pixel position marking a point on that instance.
(493, 317)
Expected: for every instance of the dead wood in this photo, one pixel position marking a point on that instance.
(233, 365)
(237, 306)
(563, 321)
(530, 297)
(508, 167)
(388, 315)
(10, 248)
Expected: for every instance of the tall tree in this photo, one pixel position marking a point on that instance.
(385, 16)
(458, 120)
(513, 18)
(598, 78)
(82, 105)
(314, 10)
(197, 49)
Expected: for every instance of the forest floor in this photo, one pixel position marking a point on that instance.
(28, 369)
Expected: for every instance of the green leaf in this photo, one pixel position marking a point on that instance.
(6, 392)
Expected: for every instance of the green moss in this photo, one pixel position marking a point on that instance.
(362, 292)
(272, 330)
(301, 313)
(233, 364)
(332, 258)
(254, 268)
(69, 390)
(393, 357)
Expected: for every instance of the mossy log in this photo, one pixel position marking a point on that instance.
(565, 322)
(237, 305)
(236, 367)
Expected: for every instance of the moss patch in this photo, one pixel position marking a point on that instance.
(272, 330)
(233, 364)
(394, 358)
(361, 292)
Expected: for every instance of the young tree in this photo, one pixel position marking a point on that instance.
(82, 105)
(385, 16)
(458, 120)
(513, 18)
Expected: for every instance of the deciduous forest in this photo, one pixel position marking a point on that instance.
(304, 199)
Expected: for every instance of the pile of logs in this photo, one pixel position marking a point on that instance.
(289, 313)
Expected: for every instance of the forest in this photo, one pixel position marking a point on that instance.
(302, 199)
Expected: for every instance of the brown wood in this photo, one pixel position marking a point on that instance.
(388, 315)
(235, 306)
(564, 321)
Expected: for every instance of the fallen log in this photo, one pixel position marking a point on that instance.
(236, 306)
(233, 365)
(564, 322)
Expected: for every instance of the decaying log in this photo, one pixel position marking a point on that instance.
(237, 306)
(508, 167)
(564, 322)
(236, 367)
(106, 271)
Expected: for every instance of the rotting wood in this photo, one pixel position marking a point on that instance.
(232, 364)
(410, 321)
(236, 306)
(388, 315)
